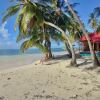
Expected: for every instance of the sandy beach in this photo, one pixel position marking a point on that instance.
(14, 61)
(54, 80)
(50, 50)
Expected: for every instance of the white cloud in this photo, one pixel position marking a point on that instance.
(3, 31)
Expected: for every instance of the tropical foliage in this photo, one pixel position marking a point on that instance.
(94, 19)
(38, 23)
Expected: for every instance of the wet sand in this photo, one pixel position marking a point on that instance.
(7, 62)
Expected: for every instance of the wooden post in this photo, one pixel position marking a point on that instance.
(97, 46)
(93, 46)
(83, 46)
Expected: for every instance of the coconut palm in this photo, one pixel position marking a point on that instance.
(93, 21)
(93, 55)
(26, 18)
(97, 11)
(30, 11)
(64, 23)
(98, 28)
(72, 26)
(94, 58)
(73, 62)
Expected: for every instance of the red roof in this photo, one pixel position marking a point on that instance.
(94, 37)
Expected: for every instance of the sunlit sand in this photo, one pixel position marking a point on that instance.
(52, 80)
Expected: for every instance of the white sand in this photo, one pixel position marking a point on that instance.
(50, 81)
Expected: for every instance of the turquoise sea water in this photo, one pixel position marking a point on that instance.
(88, 54)
(9, 52)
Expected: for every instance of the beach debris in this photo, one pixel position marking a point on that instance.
(85, 83)
(88, 93)
(43, 96)
(43, 91)
(74, 96)
(26, 95)
(38, 96)
(80, 88)
(98, 86)
(48, 96)
(73, 76)
(8, 78)
(1, 97)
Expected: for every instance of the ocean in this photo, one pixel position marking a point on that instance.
(9, 52)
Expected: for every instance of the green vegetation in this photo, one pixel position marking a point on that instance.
(39, 23)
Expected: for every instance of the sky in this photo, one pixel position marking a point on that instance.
(8, 35)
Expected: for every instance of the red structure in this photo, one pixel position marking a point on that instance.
(95, 40)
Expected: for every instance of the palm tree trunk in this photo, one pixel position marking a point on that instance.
(73, 62)
(48, 46)
(68, 49)
(93, 55)
(49, 49)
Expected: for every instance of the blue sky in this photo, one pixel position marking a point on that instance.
(8, 35)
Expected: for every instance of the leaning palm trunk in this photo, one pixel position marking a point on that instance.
(93, 55)
(68, 49)
(73, 62)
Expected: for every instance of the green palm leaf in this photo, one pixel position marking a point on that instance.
(32, 42)
(11, 11)
(97, 11)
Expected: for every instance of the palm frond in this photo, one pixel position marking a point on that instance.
(10, 12)
(74, 5)
(93, 21)
(32, 42)
(27, 44)
(58, 36)
(98, 29)
(97, 11)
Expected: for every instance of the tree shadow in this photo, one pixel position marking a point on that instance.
(50, 63)
(62, 57)
(57, 58)
(84, 63)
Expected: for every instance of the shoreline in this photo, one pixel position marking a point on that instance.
(14, 61)
(53, 80)
(7, 62)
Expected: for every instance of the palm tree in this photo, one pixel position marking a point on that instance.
(64, 22)
(98, 28)
(94, 58)
(31, 12)
(73, 62)
(33, 41)
(26, 18)
(93, 21)
(97, 11)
